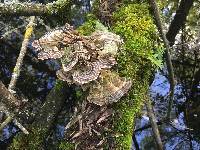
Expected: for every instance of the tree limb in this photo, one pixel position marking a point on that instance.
(17, 69)
(8, 120)
(32, 9)
(149, 126)
(135, 142)
(167, 55)
(22, 9)
(179, 20)
(154, 125)
(11, 103)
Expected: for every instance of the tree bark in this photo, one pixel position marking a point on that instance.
(179, 20)
(167, 56)
(44, 121)
(31, 9)
(9, 101)
(154, 125)
(23, 9)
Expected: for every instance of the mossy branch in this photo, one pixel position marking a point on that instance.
(32, 9)
(44, 121)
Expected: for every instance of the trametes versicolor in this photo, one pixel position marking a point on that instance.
(86, 61)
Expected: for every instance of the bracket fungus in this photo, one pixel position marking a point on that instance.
(86, 61)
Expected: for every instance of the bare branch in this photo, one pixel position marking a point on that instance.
(167, 55)
(8, 99)
(9, 104)
(17, 69)
(24, 130)
(23, 9)
(32, 9)
(8, 120)
(154, 124)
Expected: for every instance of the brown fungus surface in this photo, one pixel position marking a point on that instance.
(86, 61)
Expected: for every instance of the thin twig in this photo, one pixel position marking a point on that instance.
(167, 55)
(24, 130)
(149, 126)
(8, 120)
(17, 69)
(154, 124)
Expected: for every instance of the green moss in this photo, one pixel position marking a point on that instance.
(64, 145)
(58, 6)
(141, 54)
(126, 111)
(32, 141)
(61, 9)
(136, 60)
(59, 84)
(134, 23)
(91, 24)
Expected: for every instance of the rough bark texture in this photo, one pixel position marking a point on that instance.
(9, 101)
(20, 9)
(179, 20)
(44, 121)
(18, 66)
(31, 9)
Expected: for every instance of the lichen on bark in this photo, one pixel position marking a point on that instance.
(35, 9)
(44, 121)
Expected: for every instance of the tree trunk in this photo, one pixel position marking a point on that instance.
(44, 121)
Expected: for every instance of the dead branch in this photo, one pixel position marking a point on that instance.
(17, 69)
(135, 142)
(154, 124)
(167, 55)
(45, 118)
(22, 9)
(33, 9)
(149, 126)
(10, 105)
(10, 102)
(8, 119)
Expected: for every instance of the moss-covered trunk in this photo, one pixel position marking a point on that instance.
(137, 60)
(110, 126)
(44, 121)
